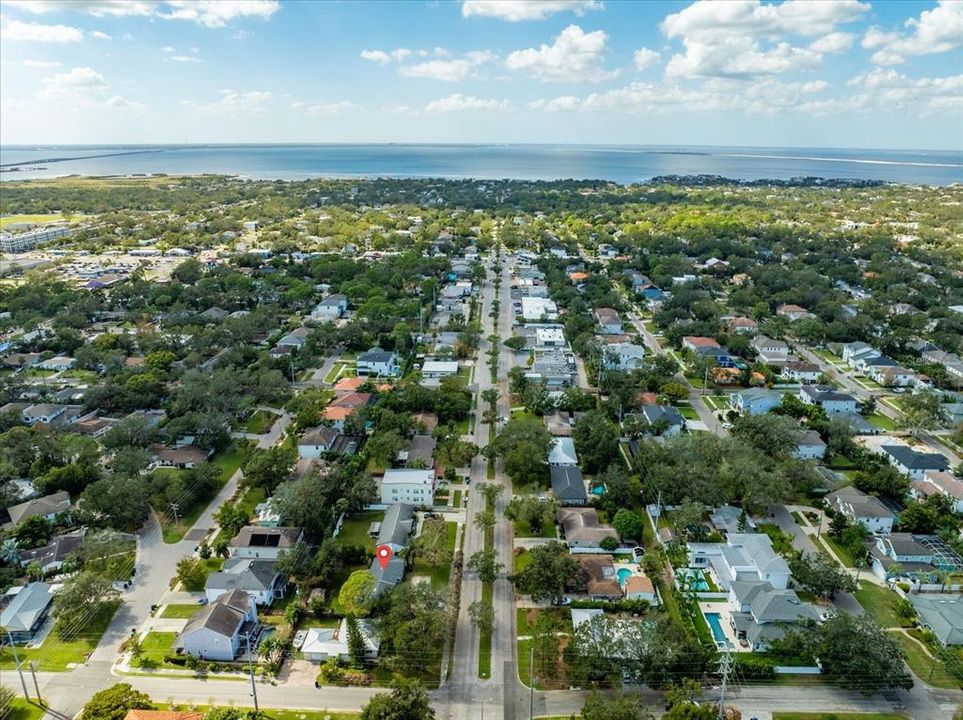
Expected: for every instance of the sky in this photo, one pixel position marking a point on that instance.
(798, 73)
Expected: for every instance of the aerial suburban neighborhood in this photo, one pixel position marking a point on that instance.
(496, 442)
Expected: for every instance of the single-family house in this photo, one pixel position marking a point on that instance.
(640, 587)
(294, 339)
(48, 506)
(793, 312)
(562, 452)
(810, 446)
(609, 321)
(437, 369)
(760, 613)
(258, 578)
(828, 398)
(731, 520)
(743, 325)
(44, 413)
(264, 543)
(396, 526)
(892, 376)
(320, 644)
(938, 482)
(743, 557)
(801, 372)
(695, 343)
(769, 351)
(535, 309)
(922, 557)
(664, 420)
(560, 423)
(601, 582)
(624, 356)
(420, 452)
(52, 556)
(941, 614)
(912, 462)
(316, 441)
(329, 309)
(755, 401)
(58, 363)
(185, 457)
(408, 485)
(26, 612)
(583, 531)
(568, 485)
(862, 509)
(222, 629)
(377, 362)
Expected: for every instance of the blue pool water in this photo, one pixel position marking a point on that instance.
(624, 574)
(696, 578)
(715, 624)
(598, 490)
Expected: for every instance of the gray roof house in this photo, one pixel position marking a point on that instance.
(52, 555)
(942, 613)
(664, 415)
(48, 506)
(862, 508)
(220, 630)
(258, 578)
(568, 486)
(760, 613)
(727, 519)
(387, 578)
(913, 463)
(396, 526)
(755, 401)
(420, 451)
(583, 531)
(254, 541)
(25, 614)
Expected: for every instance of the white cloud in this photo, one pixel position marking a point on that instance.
(167, 49)
(519, 10)
(218, 13)
(119, 102)
(565, 102)
(233, 102)
(333, 108)
(35, 32)
(77, 83)
(746, 39)
(575, 56)
(888, 89)
(385, 57)
(645, 58)
(42, 63)
(459, 102)
(837, 42)
(97, 8)
(183, 58)
(100, 35)
(447, 70)
(935, 31)
(210, 13)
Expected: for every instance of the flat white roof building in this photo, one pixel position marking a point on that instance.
(549, 337)
(536, 308)
(416, 487)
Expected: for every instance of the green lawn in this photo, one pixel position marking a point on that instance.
(456, 500)
(925, 667)
(354, 530)
(485, 641)
(260, 422)
(36, 219)
(20, 709)
(523, 414)
(688, 412)
(842, 552)
(335, 373)
(156, 647)
(463, 427)
(882, 422)
(271, 714)
(439, 575)
(522, 561)
(88, 376)
(522, 530)
(55, 655)
(180, 610)
(878, 602)
(835, 716)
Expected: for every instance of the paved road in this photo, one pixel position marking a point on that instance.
(862, 393)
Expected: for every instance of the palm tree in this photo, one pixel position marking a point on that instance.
(893, 573)
(10, 551)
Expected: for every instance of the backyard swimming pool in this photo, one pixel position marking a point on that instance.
(624, 574)
(715, 624)
(598, 490)
(695, 578)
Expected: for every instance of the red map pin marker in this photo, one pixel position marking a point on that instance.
(383, 553)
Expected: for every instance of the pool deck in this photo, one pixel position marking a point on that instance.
(723, 611)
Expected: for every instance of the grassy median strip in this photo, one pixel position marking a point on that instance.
(488, 590)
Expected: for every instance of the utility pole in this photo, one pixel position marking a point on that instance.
(531, 679)
(174, 508)
(16, 660)
(250, 669)
(725, 667)
(705, 380)
(33, 672)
